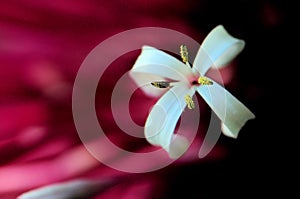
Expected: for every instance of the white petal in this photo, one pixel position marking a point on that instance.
(162, 120)
(156, 65)
(217, 50)
(178, 146)
(230, 110)
(143, 80)
(72, 189)
(226, 131)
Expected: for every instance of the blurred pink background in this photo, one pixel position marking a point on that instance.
(42, 45)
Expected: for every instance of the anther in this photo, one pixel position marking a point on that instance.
(189, 102)
(184, 53)
(160, 84)
(204, 81)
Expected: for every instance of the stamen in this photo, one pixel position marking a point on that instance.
(189, 102)
(204, 81)
(184, 53)
(161, 84)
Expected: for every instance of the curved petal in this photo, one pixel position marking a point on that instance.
(71, 189)
(230, 110)
(217, 50)
(143, 80)
(178, 146)
(156, 65)
(163, 118)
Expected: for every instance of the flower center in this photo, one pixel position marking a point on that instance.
(195, 82)
(201, 81)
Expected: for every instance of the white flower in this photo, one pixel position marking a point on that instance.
(162, 70)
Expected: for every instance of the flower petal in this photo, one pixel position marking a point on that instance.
(178, 146)
(230, 110)
(143, 80)
(156, 65)
(72, 189)
(217, 50)
(163, 118)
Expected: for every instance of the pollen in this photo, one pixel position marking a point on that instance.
(189, 102)
(160, 84)
(204, 81)
(184, 53)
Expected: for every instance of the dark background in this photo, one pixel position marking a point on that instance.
(261, 163)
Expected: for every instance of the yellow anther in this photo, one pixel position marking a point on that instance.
(184, 53)
(204, 81)
(189, 102)
(161, 84)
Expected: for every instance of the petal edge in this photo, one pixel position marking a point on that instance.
(218, 49)
(229, 109)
